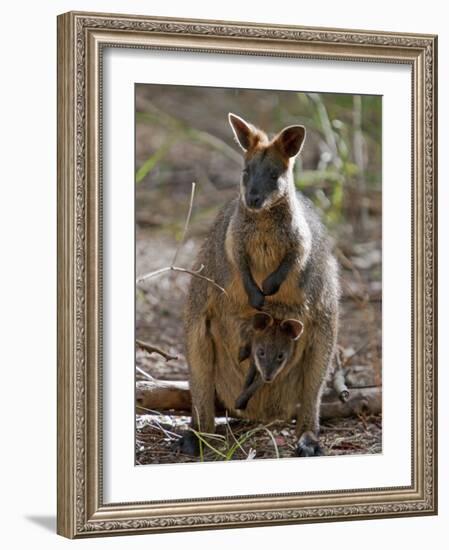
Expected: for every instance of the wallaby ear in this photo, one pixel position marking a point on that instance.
(293, 328)
(291, 140)
(243, 132)
(262, 320)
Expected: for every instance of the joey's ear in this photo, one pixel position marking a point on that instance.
(293, 328)
(243, 132)
(290, 140)
(262, 320)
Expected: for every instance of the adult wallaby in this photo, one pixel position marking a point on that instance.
(269, 250)
(268, 344)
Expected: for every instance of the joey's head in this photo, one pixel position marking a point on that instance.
(273, 343)
(267, 173)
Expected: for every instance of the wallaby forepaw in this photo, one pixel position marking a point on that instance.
(308, 445)
(257, 299)
(241, 403)
(244, 352)
(270, 286)
(189, 444)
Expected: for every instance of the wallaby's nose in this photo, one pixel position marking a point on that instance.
(254, 200)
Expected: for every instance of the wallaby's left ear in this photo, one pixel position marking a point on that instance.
(291, 140)
(243, 132)
(293, 328)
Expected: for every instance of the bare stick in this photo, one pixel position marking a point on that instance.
(186, 225)
(340, 387)
(338, 379)
(154, 349)
(173, 267)
(152, 274)
(138, 369)
(182, 270)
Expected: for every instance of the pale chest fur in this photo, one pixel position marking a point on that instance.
(265, 248)
(265, 252)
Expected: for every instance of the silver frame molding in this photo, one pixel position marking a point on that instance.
(81, 39)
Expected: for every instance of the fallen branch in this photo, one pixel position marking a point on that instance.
(360, 400)
(163, 395)
(338, 378)
(154, 349)
(340, 386)
(174, 396)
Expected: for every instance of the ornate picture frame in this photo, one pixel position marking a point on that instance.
(82, 38)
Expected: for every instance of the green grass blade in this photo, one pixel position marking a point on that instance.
(152, 161)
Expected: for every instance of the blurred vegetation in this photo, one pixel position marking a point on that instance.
(183, 135)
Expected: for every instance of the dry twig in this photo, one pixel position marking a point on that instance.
(173, 267)
(150, 348)
(186, 225)
(154, 349)
(196, 273)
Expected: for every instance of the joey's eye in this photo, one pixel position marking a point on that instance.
(273, 176)
(281, 356)
(261, 353)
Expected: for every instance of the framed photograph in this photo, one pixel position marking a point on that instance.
(246, 274)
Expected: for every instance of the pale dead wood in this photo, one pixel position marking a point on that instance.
(338, 378)
(339, 384)
(163, 395)
(360, 400)
(174, 396)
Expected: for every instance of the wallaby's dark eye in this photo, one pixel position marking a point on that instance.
(273, 176)
(261, 353)
(280, 356)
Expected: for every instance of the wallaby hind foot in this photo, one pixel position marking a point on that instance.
(188, 444)
(308, 445)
